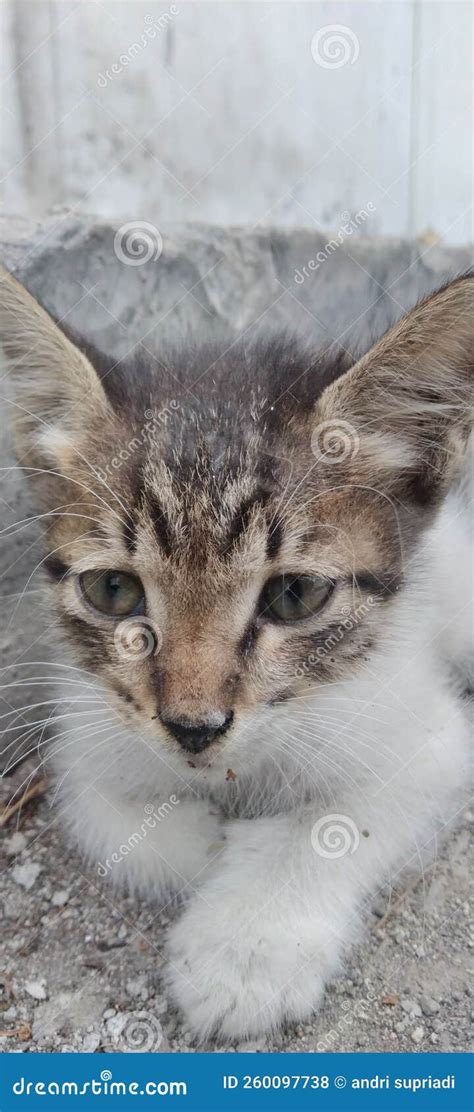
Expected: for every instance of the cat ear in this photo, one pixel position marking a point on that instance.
(56, 394)
(401, 416)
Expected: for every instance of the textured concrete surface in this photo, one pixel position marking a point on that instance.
(81, 964)
(246, 112)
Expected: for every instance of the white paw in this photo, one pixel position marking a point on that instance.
(237, 974)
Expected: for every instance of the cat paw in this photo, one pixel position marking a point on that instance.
(237, 975)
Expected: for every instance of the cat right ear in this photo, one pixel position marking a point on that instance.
(400, 418)
(57, 396)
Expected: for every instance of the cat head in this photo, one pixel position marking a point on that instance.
(226, 529)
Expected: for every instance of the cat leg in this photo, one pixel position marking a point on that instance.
(270, 933)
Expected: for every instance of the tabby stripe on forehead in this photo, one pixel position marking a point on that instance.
(275, 538)
(161, 524)
(241, 520)
(130, 535)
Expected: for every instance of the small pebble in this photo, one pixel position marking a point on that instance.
(428, 1005)
(115, 1025)
(91, 1043)
(410, 1006)
(59, 898)
(15, 844)
(37, 989)
(138, 987)
(26, 875)
(418, 1034)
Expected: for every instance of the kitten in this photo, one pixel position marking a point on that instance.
(260, 564)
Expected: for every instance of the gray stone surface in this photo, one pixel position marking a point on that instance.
(205, 278)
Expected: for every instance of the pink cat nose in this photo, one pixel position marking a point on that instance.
(196, 736)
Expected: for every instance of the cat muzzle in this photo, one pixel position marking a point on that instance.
(196, 736)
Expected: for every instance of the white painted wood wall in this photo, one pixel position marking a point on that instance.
(225, 116)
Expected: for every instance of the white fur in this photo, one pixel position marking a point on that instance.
(270, 918)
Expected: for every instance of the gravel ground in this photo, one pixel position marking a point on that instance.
(81, 966)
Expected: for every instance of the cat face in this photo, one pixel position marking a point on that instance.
(225, 532)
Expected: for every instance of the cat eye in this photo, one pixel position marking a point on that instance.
(113, 592)
(290, 598)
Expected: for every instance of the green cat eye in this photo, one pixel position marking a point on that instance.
(290, 598)
(113, 592)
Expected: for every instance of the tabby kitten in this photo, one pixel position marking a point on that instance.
(260, 565)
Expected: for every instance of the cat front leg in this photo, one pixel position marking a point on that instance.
(280, 911)
(271, 929)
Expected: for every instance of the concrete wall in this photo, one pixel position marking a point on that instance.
(251, 113)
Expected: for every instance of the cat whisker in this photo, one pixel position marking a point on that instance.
(76, 482)
(43, 741)
(83, 756)
(39, 565)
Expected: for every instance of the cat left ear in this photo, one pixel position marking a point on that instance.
(404, 411)
(56, 391)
